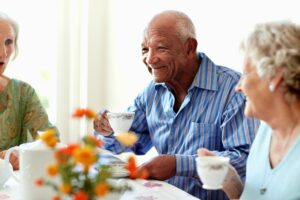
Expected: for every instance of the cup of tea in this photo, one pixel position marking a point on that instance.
(212, 171)
(120, 122)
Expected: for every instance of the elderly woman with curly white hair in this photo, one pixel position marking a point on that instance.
(271, 83)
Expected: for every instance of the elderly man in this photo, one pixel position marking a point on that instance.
(190, 103)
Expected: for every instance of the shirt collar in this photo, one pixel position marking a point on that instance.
(206, 77)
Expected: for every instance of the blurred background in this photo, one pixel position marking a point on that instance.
(86, 53)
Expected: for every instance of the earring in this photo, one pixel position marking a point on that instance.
(271, 88)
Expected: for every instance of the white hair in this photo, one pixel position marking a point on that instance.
(276, 45)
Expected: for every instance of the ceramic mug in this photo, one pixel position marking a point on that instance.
(34, 159)
(212, 171)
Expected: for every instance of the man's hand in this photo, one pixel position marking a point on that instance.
(205, 152)
(161, 167)
(14, 159)
(101, 125)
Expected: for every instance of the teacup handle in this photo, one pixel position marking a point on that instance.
(6, 158)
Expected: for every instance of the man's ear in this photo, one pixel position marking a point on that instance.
(191, 46)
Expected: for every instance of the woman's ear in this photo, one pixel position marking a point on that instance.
(276, 80)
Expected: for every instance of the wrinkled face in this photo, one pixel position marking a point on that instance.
(7, 44)
(255, 90)
(163, 53)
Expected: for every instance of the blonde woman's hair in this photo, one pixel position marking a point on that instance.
(276, 45)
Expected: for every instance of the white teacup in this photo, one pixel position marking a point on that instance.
(5, 171)
(212, 171)
(120, 122)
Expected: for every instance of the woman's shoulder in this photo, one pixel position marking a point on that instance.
(20, 82)
(22, 85)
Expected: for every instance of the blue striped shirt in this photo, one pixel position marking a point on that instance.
(211, 116)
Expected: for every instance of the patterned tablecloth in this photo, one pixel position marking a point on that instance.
(142, 190)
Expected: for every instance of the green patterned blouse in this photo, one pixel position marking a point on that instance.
(21, 114)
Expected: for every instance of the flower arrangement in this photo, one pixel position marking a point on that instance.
(74, 164)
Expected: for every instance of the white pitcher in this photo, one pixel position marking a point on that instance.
(5, 171)
(34, 159)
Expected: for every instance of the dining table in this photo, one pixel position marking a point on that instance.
(141, 189)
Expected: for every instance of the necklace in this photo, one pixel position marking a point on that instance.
(263, 188)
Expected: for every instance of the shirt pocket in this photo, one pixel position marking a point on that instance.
(202, 135)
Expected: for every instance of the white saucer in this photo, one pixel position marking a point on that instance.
(208, 187)
(119, 172)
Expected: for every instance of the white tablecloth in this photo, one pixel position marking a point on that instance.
(142, 190)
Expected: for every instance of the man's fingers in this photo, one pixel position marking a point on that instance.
(204, 152)
(102, 126)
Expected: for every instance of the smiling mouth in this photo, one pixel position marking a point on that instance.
(157, 68)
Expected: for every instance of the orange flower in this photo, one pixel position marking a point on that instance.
(92, 140)
(65, 188)
(101, 189)
(39, 182)
(63, 155)
(73, 163)
(90, 114)
(127, 139)
(131, 166)
(86, 156)
(56, 198)
(49, 137)
(81, 196)
(81, 112)
(142, 174)
(52, 170)
(133, 172)
(52, 142)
